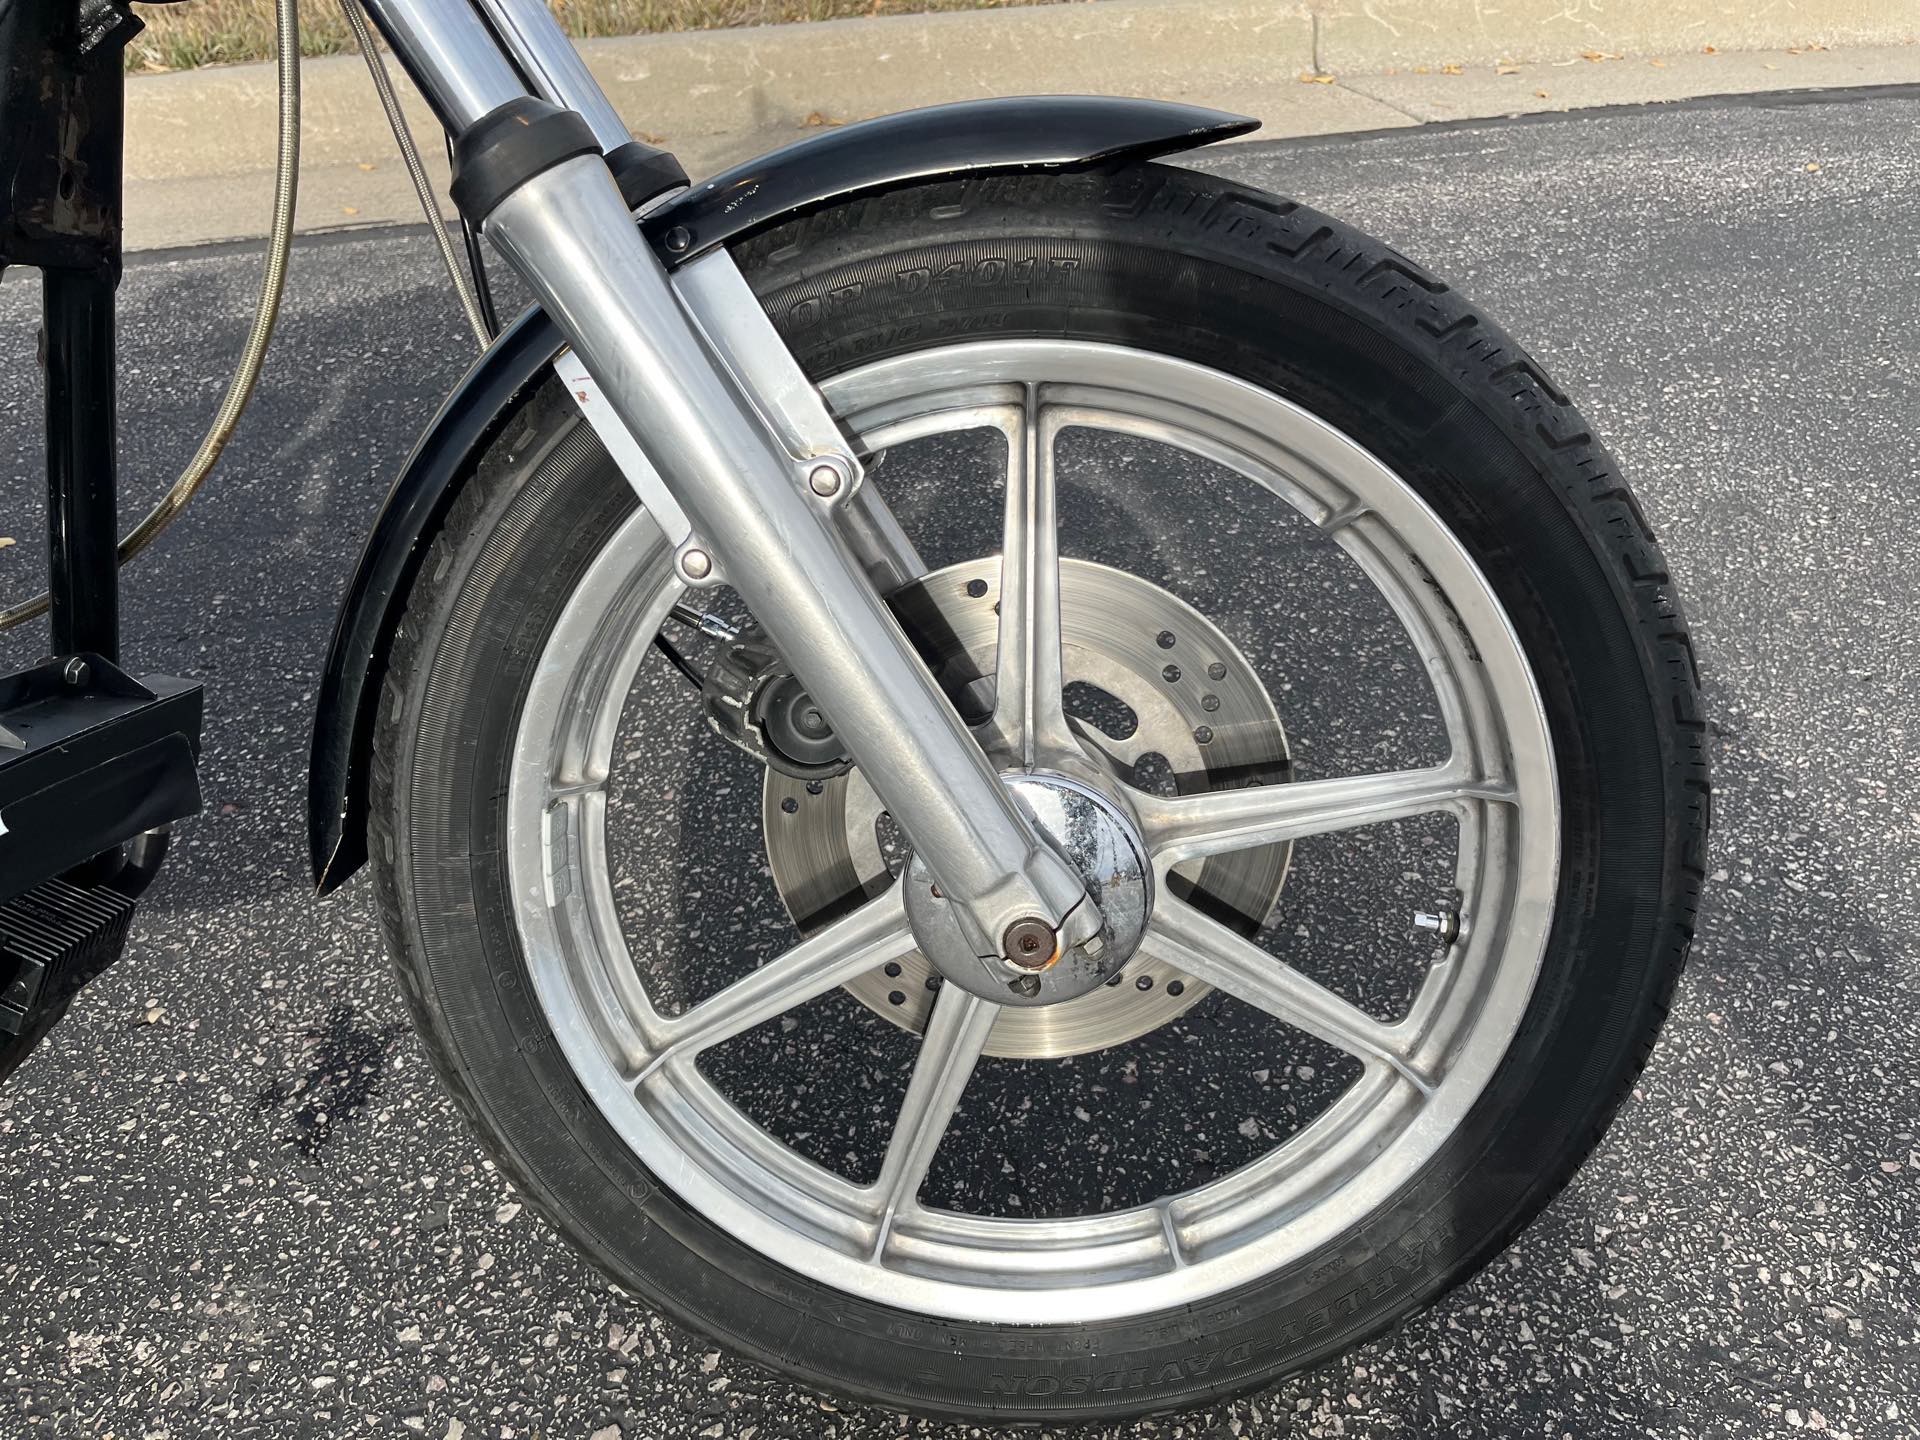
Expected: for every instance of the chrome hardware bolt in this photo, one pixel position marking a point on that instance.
(696, 564)
(825, 481)
(1029, 944)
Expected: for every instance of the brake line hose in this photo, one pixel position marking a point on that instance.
(286, 184)
(416, 172)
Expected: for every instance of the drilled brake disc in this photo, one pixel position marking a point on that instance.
(1157, 694)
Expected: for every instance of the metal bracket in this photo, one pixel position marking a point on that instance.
(733, 323)
(692, 560)
(731, 319)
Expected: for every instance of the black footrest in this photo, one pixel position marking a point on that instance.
(89, 758)
(54, 939)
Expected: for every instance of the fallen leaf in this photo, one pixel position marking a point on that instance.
(1598, 55)
(1507, 70)
(1658, 64)
(6, 540)
(1811, 166)
(366, 165)
(815, 119)
(1309, 78)
(349, 209)
(1771, 66)
(1423, 69)
(1541, 93)
(1449, 69)
(1708, 50)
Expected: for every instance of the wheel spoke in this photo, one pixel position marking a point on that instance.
(1029, 717)
(1180, 935)
(1185, 827)
(956, 1034)
(872, 935)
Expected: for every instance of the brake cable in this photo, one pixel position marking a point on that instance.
(417, 172)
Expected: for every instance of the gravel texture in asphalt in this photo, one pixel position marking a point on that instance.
(236, 1203)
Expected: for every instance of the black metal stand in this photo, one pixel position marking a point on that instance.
(91, 760)
(62, 127)
(82, 463)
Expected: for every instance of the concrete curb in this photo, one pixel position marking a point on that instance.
(200, 143)
(1375, 35)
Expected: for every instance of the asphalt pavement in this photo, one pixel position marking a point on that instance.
(235, 1202)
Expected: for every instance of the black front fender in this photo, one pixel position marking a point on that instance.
(1067, 132)
(1042, 132)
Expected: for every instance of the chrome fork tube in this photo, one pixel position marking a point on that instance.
(553, 67)
(450, 55)
(568, 233)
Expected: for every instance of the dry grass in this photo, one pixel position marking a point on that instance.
(218, 32)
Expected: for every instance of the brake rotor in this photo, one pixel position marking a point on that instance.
(1161, 698)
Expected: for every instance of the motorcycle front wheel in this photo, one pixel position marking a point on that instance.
(1328, 535)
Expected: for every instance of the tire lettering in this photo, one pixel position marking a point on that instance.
(1044, 1383)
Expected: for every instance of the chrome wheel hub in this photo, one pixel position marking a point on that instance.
(1104, 846)
(1161, 701)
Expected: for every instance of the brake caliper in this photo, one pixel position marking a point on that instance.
(753, 701)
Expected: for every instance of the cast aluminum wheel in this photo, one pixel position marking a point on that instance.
(1418, 1076)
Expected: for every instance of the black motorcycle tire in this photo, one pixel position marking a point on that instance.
(1280, 296)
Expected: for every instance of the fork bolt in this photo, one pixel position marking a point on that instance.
(824, 481)
(1029, 944)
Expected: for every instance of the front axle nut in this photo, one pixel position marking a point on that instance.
(1029, 944)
